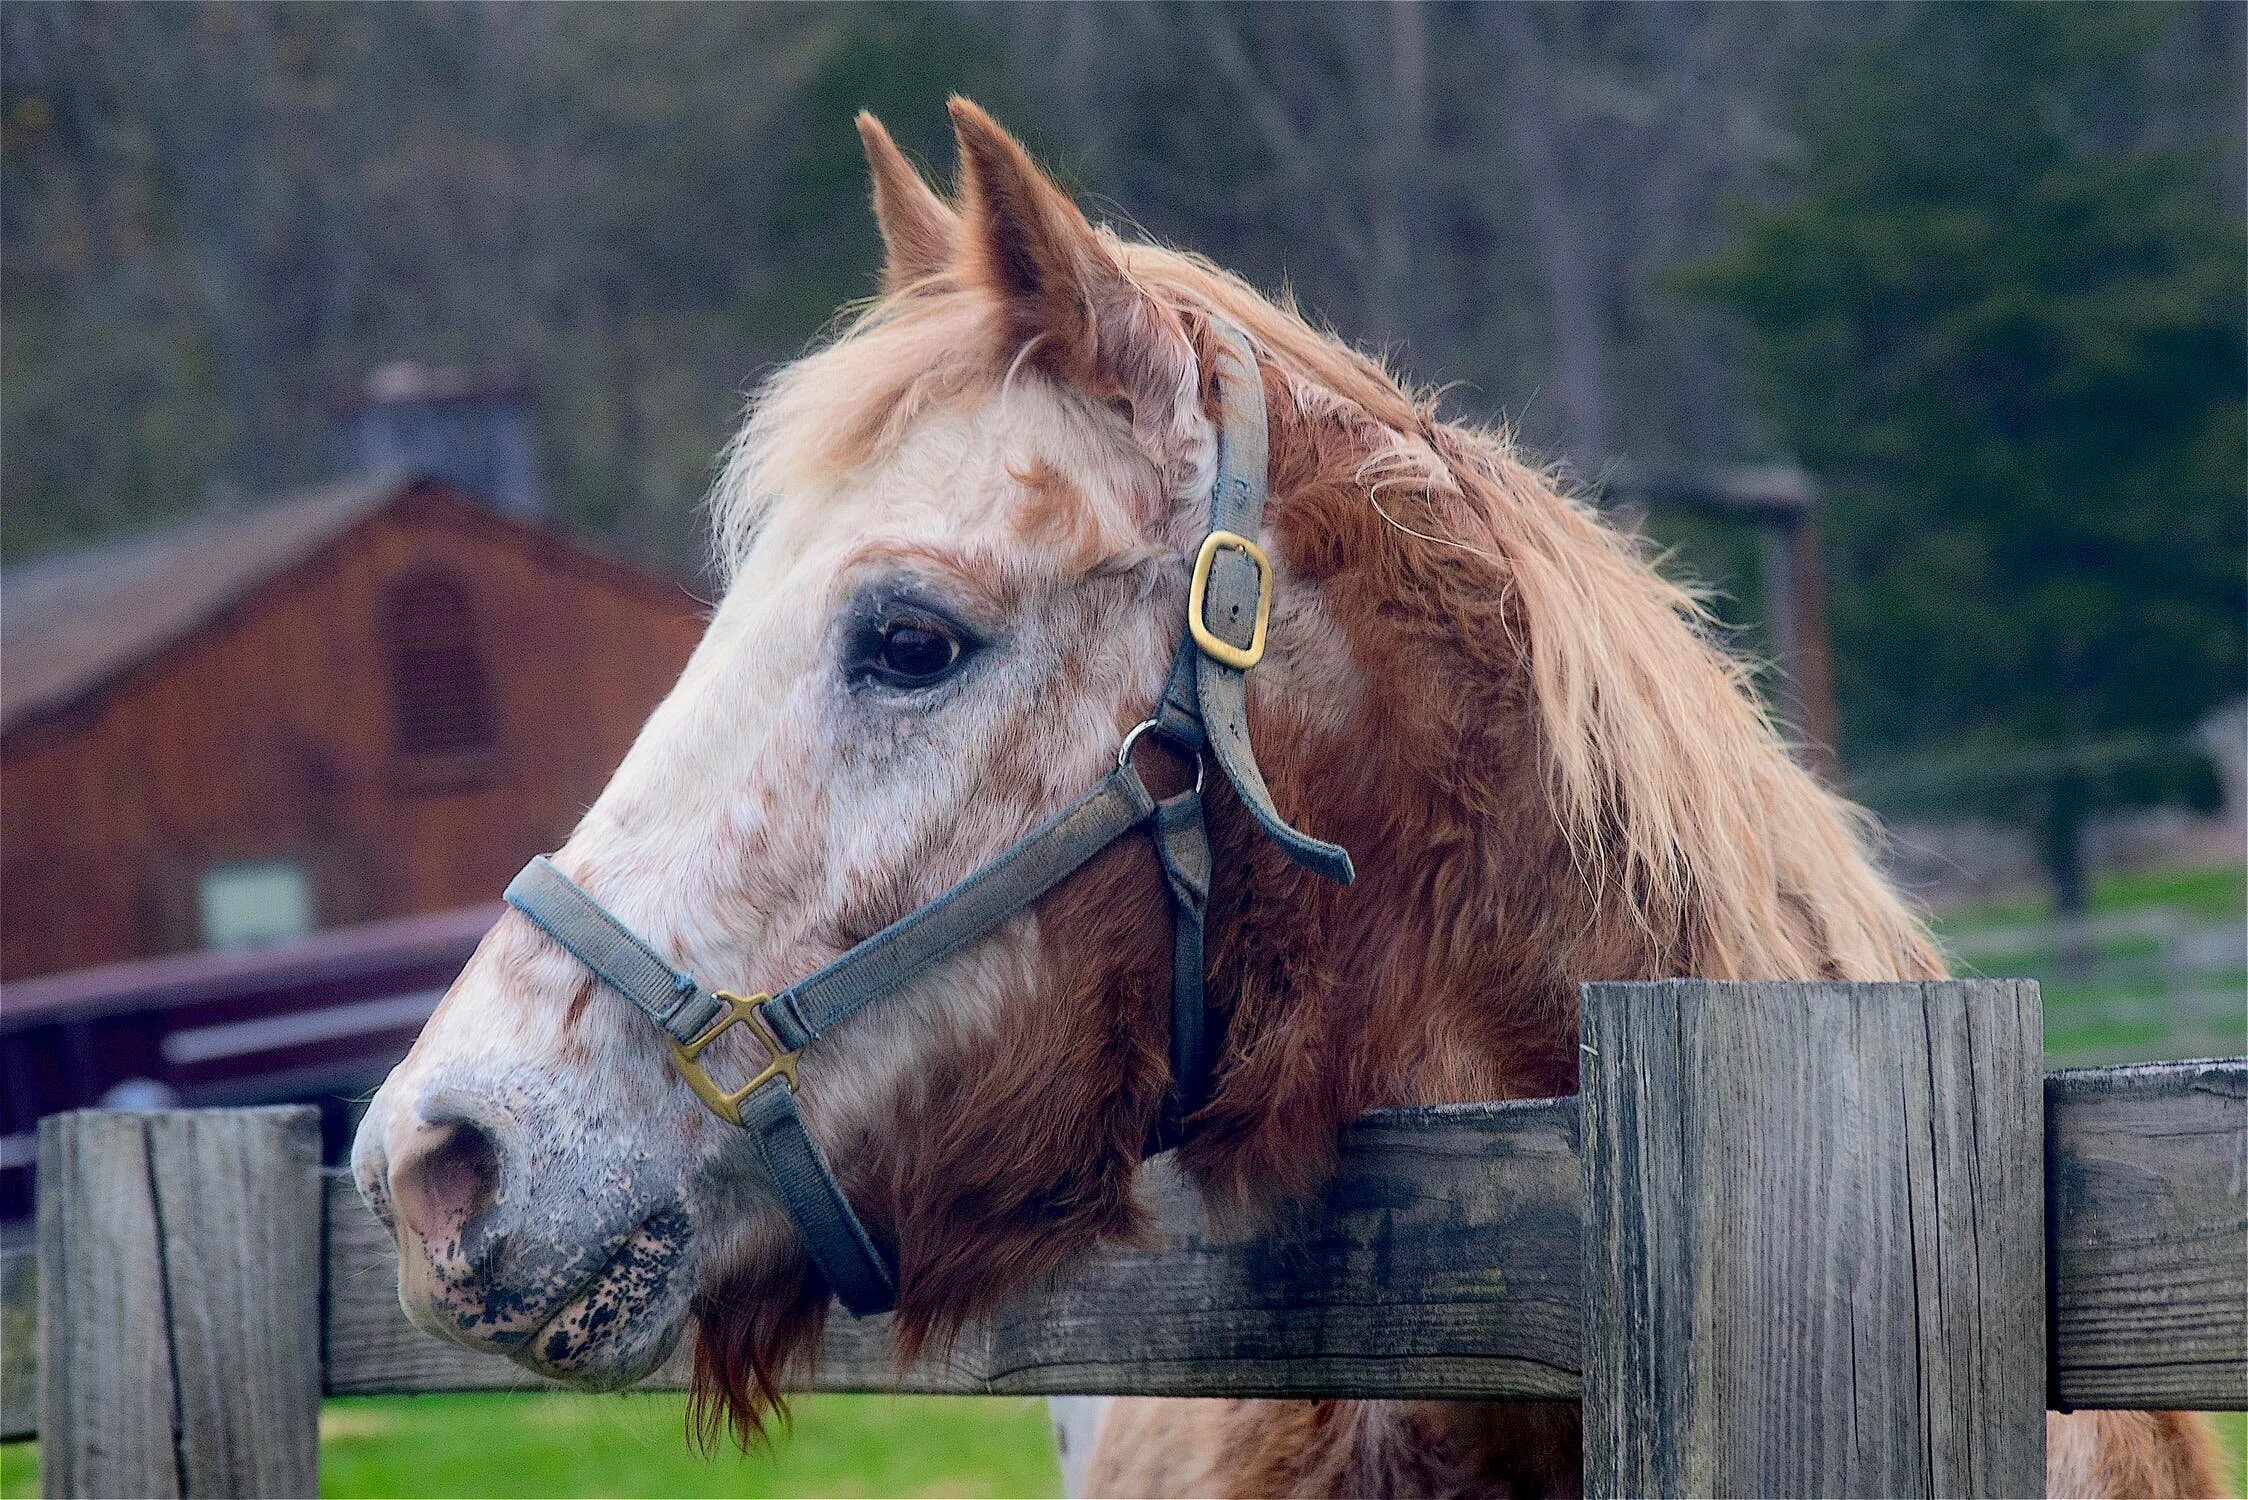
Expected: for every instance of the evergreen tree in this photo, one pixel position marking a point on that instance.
(2002, 318)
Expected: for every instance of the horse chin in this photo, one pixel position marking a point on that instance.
(627, 1319)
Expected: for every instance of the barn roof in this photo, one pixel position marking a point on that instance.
(71, 621)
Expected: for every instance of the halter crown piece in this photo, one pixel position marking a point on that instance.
(1229, 607)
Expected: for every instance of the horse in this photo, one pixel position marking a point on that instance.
(956, 539)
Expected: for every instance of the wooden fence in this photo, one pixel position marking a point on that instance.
(1791, 1239)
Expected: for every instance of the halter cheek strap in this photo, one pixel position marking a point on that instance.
(1204, 704)
(1231, 603)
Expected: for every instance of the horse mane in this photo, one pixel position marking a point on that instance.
(1676, 796)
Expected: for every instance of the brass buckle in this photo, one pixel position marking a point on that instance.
(1241, 658)
(727, 1105)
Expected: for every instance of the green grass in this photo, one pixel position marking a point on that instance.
(2122, 998)
(2214, 892)
(2098, 1043)
(2232, 1436)
(2142, 952)
(555, 1444)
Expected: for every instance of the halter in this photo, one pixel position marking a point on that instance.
(1204, 707)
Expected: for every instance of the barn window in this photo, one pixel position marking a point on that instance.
(254, 902)
(441, 694)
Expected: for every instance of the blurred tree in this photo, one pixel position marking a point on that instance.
(2001, 317)
(215, 219)
(902, 62)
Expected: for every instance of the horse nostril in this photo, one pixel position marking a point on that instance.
(444, 1176)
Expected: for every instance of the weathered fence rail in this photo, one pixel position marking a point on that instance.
(1793, 1239)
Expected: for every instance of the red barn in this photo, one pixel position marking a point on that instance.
(366, 702)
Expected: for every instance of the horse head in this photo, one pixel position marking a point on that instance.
(959, 542)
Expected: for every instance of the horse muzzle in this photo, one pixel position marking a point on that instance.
(572, 1260)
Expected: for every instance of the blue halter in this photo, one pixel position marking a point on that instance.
(1204, 707)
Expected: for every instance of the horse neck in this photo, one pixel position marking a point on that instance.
(1444, 974)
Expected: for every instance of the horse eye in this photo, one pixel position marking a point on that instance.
(914, 655)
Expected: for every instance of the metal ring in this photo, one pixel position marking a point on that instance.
(1124, 751)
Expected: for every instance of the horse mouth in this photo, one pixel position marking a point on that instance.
(623, 1320)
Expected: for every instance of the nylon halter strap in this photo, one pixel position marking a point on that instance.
(1204, 706)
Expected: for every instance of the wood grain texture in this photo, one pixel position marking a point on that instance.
(1814, 1241)
(181, 1338)
(2148, 1250)
(19, 1342)
(240, 1199)
(1442, 1262)
(103, 1359)
(2147, 1197)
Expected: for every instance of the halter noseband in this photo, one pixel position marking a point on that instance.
(1204, 706)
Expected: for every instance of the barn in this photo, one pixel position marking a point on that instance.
(370, 701)
(258, 769)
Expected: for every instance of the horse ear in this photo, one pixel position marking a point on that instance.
(920, 232)
(1061, 291)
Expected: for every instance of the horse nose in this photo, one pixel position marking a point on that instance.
(443, 1176)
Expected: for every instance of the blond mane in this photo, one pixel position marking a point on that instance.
(1669, 781)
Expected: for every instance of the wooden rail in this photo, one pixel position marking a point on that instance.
(2095, 1257)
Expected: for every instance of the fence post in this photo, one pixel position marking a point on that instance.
(1814, 1239)
(179, 1302)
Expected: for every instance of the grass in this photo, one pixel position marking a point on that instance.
(2216, 892)
(2213, 891)
(2072, 1046)
(2232, 1436)
(2124, 998)
(549, 1443)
